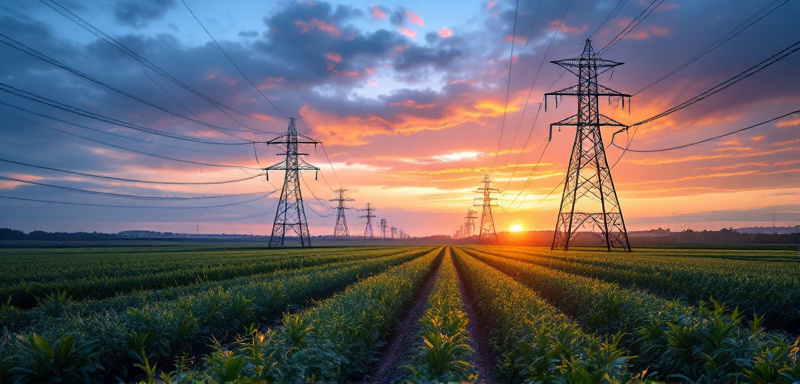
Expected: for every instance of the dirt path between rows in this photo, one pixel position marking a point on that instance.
(484, 358)
(403, 342)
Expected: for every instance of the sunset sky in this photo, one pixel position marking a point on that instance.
(408, 98)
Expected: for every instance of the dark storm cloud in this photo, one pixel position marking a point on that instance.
(138, 13)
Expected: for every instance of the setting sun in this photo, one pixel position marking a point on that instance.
(515, 228)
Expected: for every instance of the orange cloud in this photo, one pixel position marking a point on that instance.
(377, 14)
(788, 123)
(261, 116)
(408, 32)
(445, 33)
(660, 31)
(271, 82)
(318, 24)
(517, 39)
(567, 29)
(335, 57)
(491, 4)
(413, 18)
(354, 130)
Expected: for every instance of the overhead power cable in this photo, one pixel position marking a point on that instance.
(705, 140)
(82, 112)
(608, 18)
(41, 56)
(233, 62)
(725, 84)
(125, 179)
(147, 63)
(131, 206)
(123, 195)
(508, 86)
(119, 146)
(631, 26)
(535, 79)
(764, 12)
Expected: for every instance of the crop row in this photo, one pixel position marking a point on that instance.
(673, 341)
(27, 294)
(444, 351)
(162, 331)
(337, 340)
(42, 265)
(533, 341)
(766, 288)
(60, 305)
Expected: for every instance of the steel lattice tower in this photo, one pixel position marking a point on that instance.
(368, 229)
(383, 228)
(589, 196)
(290, 216)
(487, 234)
(469, 222)
(341, 222)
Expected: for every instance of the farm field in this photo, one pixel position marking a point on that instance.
(186, 314)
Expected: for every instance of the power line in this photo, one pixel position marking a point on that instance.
(130, 206)
(508, 86)
(41, 56)
(631, 26)
(127, 180)
(535, 78)
(147, 63)
(704, 140)
(82, 112)
(608, 18)
(719, 42)
(232, 62)
(331, 164)
(725, 84)
(123, 195)
(119, 146)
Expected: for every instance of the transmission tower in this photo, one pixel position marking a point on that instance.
(394, 232)
(341, 221)
(589, 196)
(290, 216)
(383, 228)
(487, 234)
(469, 222)
(368, 228)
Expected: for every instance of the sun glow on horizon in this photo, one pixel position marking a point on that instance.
(516, 228)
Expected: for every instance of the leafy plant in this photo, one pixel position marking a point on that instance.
(67, 359)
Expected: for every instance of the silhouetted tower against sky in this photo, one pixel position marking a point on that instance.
(341, 222)
(368, 228)
(383, 228)
(487, 234)
(290, 217)
(469, 223)
(394, 231)
(589, 196)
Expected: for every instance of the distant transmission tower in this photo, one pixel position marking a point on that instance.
(487, 234)
(290, 216)
(469, 222)
(394, 232)
(341, 221)
(589, 196)
(368, 228)
(383, 228)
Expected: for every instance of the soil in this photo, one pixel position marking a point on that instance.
(401, 347)
(484, 358)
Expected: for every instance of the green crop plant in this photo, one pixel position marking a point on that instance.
(444, 353)
(533, 341)
(67, 359)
